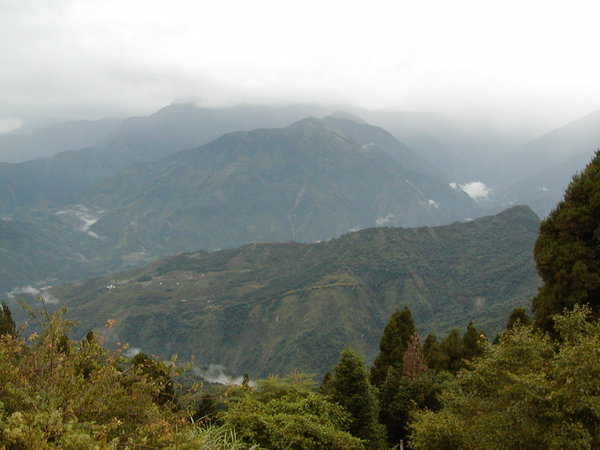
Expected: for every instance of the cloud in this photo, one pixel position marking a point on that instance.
(381, 221)
(90, 58)
(132, 351)
(477, 190)
(30, 290)
(216, 373)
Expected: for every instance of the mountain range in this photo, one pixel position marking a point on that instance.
(59, 179)
(196, 181)
(267, 308)
(313, 180)
(537, 173)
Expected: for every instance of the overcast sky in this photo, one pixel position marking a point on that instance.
(517, 61)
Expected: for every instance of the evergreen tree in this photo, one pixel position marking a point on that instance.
(472, 343)
(567, 251)
(7, 324)
(450, 352)
(349, 386)
(517, 316)
(393, 414)
(526, 392)
(431, 350)
(393, 344)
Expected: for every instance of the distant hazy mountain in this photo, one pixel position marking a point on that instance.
(18, 147)
(181, 126)
(369, 135)
(60, 179)
(313, 180)
(270, 308)
(537, 173)
(459, 150)
(544, 189)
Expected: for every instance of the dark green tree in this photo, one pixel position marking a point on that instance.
(567, 251)
(517, 316)
(472, 343)
(159, 374)
(349, 386)
(7, 324)
(431, 350)
(526, 392)
(393, 344)
(450, 352)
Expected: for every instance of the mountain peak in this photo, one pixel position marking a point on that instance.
(346, 116)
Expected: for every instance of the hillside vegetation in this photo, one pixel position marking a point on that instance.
(264, 308)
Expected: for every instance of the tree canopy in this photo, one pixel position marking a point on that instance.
(58, 393)
(567, 251)
(528, 391)
(349, 386)
(394, 342)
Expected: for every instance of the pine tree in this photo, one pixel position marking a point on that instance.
(393, 344)
(567, 251)
(431, 350)
(349, 386)
(7, 324)
(451, 352)
(472, 343)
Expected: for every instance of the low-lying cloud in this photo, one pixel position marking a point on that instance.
(215, 373)
(477, 190)
(30, 290)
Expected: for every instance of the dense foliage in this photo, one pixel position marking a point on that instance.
(394, 342)
(528, 391)
(56, 393)
(567, 251)
(289, 413)
(349, 386)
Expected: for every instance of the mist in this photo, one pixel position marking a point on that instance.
(505, 66)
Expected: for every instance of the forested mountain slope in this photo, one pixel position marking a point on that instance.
(307, 182)
(270, 308)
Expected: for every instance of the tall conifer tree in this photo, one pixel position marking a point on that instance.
(349, 386)
(393, 344)
(567, 251)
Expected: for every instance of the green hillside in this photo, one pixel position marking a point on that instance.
(31, 253)
(307, 182)
(268, 308)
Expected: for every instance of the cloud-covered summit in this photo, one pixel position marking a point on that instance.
(90, 59)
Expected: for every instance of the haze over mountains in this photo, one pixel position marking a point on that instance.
(59, 179)
(307, 182)
(143, 188)
(537, 173)
(187, 179)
